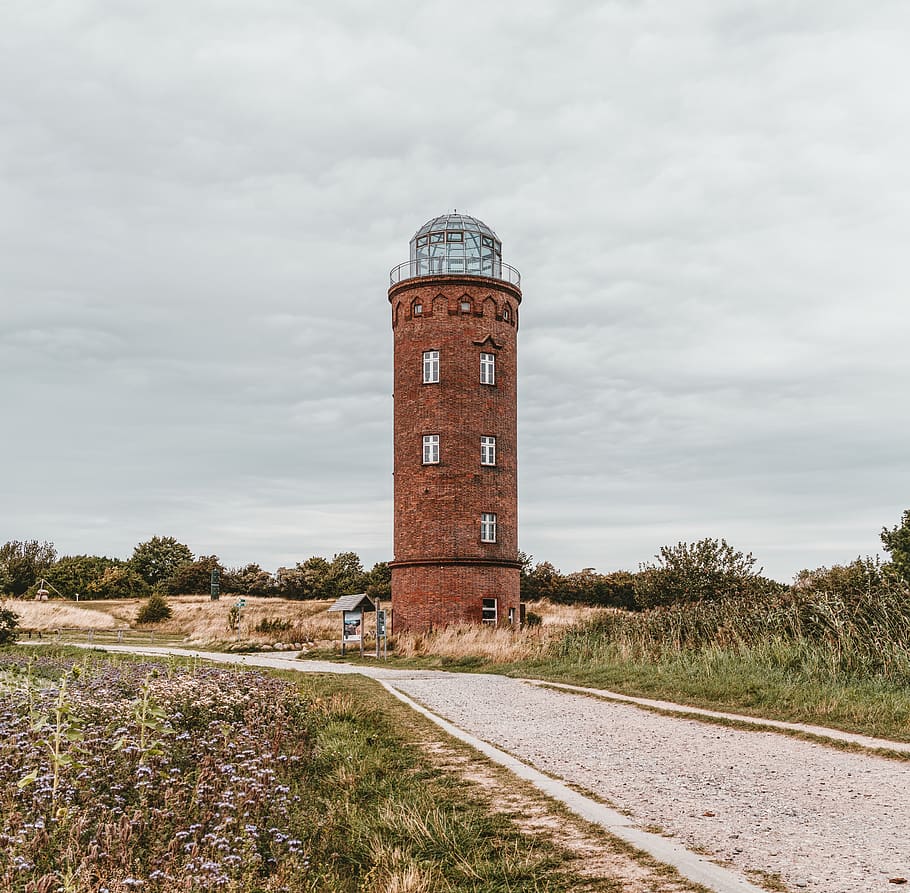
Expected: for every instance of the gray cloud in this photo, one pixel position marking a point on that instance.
(199, 205)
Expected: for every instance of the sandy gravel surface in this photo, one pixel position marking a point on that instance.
(821, 818)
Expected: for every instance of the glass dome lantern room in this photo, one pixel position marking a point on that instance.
(455, 244)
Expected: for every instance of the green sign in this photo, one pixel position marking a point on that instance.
(216, 584)
(380, 624)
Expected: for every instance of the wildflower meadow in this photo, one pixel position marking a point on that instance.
(121, 774)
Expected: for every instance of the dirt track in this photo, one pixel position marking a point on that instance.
(821, 818)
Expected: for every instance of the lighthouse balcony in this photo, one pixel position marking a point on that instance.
(443, 265)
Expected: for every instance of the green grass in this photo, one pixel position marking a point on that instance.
(795, 682)
(755, 681)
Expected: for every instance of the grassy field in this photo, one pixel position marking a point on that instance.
(845, 665)
(120, 774)
(196, 619)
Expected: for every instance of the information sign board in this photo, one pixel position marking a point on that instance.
(353, 626)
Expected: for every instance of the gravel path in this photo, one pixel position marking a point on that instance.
(821, 818)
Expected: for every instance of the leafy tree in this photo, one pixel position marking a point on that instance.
(318, 578)
(847, 581)
(154, 609)
(615, 590)
(704, 571)
(118, 581)
(346, 575)
(158, 558)
(249, 580)
(76, 573)
(311, 579)
(194, 578)
(897, 542)
(9, 620)
(543, 581)
(379, 581)
(23, 563)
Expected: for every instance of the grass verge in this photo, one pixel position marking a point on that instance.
(771, 680)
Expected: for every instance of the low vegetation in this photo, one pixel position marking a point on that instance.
(154, 609)
(119, 774)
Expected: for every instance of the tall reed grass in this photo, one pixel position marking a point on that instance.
(858, 633)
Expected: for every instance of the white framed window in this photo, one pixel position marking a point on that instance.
(431, 367)
(488, 527)
(488, 611)
(487, 450)
(430, 449)
(418, 309)
(488, 368)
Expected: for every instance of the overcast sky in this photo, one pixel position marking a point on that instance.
(709, 203)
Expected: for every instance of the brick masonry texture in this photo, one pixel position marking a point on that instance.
(442, 571)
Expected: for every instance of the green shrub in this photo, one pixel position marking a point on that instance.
(154, 610)
(709, 570)
(9, 621)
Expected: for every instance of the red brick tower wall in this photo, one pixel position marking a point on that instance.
(442, 571)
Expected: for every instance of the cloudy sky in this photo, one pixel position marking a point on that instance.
(709, 202)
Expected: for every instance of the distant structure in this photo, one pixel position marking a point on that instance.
(455, 319)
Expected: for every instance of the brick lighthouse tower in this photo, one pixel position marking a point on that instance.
(454, 320)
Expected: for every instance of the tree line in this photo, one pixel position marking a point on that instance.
(711, 570)
(708, 570)
(169, 567)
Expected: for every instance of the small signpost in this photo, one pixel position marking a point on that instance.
(381, 633)
(216, 584)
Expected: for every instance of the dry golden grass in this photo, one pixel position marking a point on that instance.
(60, 614)
(195, 618)
(198, 621)
(495, 644)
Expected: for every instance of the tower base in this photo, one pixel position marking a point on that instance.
(440, 593)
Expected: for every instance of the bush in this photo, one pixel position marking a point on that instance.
(154, 610)
(273, 625)
(709, 570)
(897, 542)
(9, 621)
